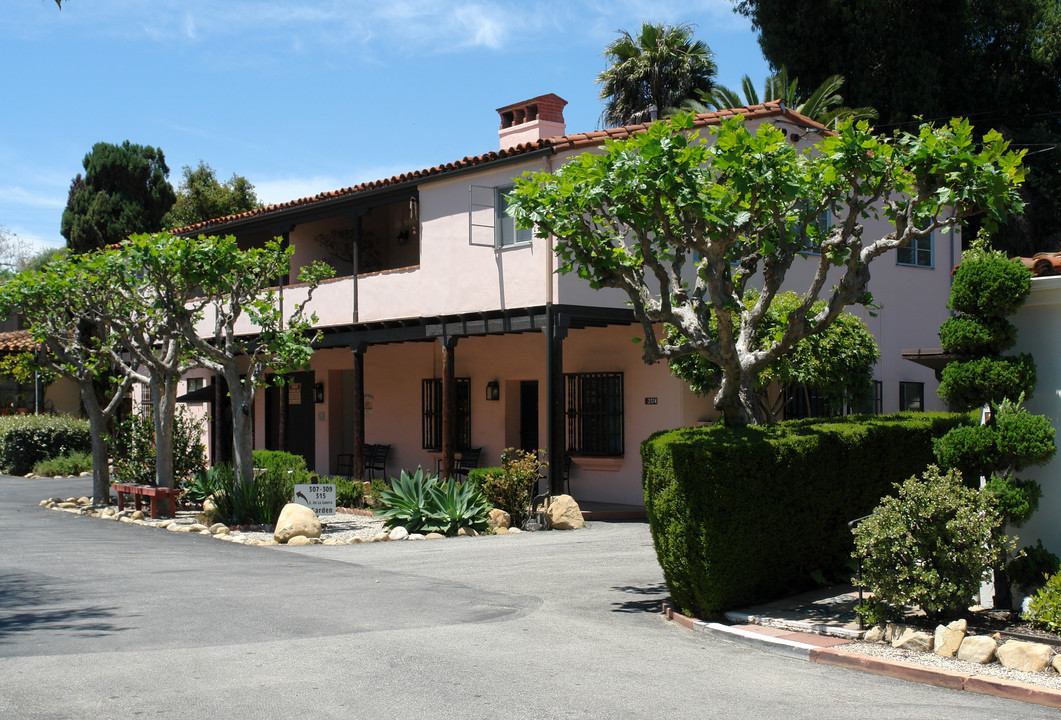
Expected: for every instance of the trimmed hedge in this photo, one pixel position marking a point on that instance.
(25, 440)
(742, 515)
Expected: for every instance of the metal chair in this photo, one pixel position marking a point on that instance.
(469, 459)
(376, 460)
(344, 465)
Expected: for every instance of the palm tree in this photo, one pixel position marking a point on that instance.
(823, 105)
(653, 73)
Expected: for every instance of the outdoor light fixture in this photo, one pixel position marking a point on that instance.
(493, 391)
(318, 393)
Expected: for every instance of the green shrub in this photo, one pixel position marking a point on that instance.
(966, 384)
(207, 481)
(348, 493)
(740, 515)
(1034, 565)
(989, 284)
(132, 447)
(509, 487)
(931, 546)
(25, 440)
(73, 464)
(1044, 607)
(406, 503)
(965, 335)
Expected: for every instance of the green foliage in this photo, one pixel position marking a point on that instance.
(964, 335)
(65, 465)
(207, 481)
(1044, 607)
(420, 503)
(454, 505)
(132, 447)
(838, 361)
(259, 501)
(1015, 500)
(509, 487)
(407, 502)
(348, 493)
(930, 545)
(124, 190)
(202, 197)
(653, 72)
(25, 440)
(967, 384)
(987, 284)
(742, 515)
(683, 222)
(1032, 566)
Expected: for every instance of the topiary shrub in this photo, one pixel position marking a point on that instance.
(25, 440)
(742, 515)
(1033, 566)
(929, 546)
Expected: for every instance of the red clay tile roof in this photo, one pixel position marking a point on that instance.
(17, 341)
(558, 144)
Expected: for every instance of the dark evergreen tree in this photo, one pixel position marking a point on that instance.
(124, 190)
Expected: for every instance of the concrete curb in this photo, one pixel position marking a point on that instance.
(739, 618)
(995, 687)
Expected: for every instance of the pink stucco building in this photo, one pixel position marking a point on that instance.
(434, 282)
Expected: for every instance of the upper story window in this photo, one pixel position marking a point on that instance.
(918, 253)
(489, 221)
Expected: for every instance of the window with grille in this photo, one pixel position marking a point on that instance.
(432, 413)
(595, 414)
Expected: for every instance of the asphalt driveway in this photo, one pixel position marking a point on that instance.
(106, 620)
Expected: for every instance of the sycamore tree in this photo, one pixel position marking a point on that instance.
(228, 287)
(55, 303)
(685, 225)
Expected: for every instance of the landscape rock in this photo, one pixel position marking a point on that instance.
(1056, 662)
(300, 540)
(84, 501)
(514, 531)
(1026, 656)
(173, 527)
(563, 513)
(219, 529)
(70, 499)
(914, 640)
(196, 527)
(137, 515)
(498, 518)
(467, 532)
(398, 533)
(874, 634)
(977, 649)
(416, 536)
(164, 524)
(85, 473)
(67, 504)
(501, 531)
(380, 537)
(892, 630)
(434, 536)
(296, 521)
(949, 638)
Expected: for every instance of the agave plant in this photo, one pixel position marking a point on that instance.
(455, 505)
(407, 501)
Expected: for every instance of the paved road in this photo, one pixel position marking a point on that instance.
(107, 620)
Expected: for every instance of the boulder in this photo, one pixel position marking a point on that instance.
(398, 533)
(914, 640)
(434, 536)
(949, 638)
(498, 518)
(501, 531)
(380, 537)
(977, 649)
(83, 501)
(137, 515)
(874, 634)
(164, 524)
(416, 536)
(296, 521)
(467, 532)
(1027, 656)
(196, 527)
(514, 531)
(219, 529)
(563, 513)
(1056, 662)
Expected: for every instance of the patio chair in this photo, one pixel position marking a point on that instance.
(469, 459)
(344, 465)
(376, 460)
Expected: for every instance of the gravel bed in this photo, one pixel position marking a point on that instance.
(1049, 679)
(341, 527)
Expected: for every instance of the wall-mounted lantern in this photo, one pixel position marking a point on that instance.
(493, 391)
(318, 393)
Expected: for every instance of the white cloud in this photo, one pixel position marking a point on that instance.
(21, 196)
(284, 189)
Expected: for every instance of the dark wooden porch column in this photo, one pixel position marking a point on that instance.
(449, 404)
(359, 410)
(554, 393)
(285, 400)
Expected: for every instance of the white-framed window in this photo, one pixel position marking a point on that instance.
(917, 254)
(489, 223)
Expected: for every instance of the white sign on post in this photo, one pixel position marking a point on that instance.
(318, 498)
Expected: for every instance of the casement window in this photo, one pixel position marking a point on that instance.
(431, 429)
(594, 414)
(873, 403)
(917, 254)
(912, 396)
(489, 221)
(193, 384)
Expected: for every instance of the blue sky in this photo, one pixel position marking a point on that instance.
(300, 96)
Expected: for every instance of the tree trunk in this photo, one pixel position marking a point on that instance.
(164, 397)
(735, 399)
(97, 423)
(242, 429)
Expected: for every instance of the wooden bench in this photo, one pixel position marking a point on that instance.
(152, 492)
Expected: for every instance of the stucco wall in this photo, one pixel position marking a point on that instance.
(1039, 332)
